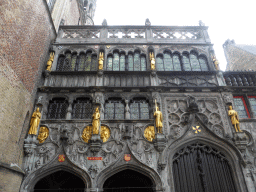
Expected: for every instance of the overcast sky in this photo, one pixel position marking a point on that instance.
(226, 19)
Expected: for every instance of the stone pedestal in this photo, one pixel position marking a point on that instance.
(95, 143)
(241, 140)
(159, 142)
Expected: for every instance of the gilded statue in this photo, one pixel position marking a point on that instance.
(43, 134)
(152, 61)
(216, 63)
(87, 134)
(50, 61)
(96, 121)
(158, 119)
(35, 120)
(104, 133)
(101, 59)
(234, 119)
(149, 133)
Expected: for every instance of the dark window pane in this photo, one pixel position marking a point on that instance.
(94, 63)
(73, 62)
(176, 63)
(168, 62)
(122, 62)
(109, 110)
(136, 62)
(88, 61)
(186, 63)
(81, 62)
(252, 101)
(110, 63)
(159, 64)
(57, 109)
(116, 62)
(194, 63)
(130, 62)
(82, 109)
(203, 64)
(240, 108)
(143, 64)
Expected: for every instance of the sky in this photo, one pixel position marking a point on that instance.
(227, 19)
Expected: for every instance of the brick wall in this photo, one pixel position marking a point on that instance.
(239, 59)
(25, 36)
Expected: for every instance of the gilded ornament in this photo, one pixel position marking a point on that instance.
(108, 46)
(158, 119)
(234, 118)
(43, 134)
(35, 120)
(50, 61)
(152, 61)
(87, 134)
(149, 133)
(197, 129)
(101, 59)
(96, 121)
(104, 133)
(216, 63)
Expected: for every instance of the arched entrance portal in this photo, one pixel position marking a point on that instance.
(60, 181)
(128, 181)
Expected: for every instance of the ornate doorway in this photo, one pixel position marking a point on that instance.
(201, 168)
(128, 181)
(60, 181)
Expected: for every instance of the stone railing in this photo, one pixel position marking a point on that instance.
(138, 34)
(240, 78)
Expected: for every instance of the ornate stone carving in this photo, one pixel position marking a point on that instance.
(93, 170)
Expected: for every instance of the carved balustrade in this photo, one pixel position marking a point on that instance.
(240, 79)
(132, 34)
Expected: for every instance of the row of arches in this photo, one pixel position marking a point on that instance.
(133, 61)
(114, 108)
(196, 167)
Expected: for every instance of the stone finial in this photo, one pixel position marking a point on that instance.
(147, 22)
(201, 23)
(104, 23)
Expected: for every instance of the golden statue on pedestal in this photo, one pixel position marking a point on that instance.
(43, 134)
(158, 120)
(35, 120)
(87, 134)
(101, 59)
(149, 133)
(216, 63)
(50, 61)
(152, 61)
(234, 119)
(96, 121)
(104, 133)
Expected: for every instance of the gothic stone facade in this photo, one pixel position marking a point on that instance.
(192, 96)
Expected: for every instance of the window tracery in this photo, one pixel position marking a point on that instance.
(139, 108)
(57, 108)
(72, 62)
(114, 109)
(82, 109)
(121, 62)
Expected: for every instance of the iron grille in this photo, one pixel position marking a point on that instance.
(57, 109)
(139, 109)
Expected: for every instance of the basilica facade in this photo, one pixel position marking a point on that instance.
(138, 108)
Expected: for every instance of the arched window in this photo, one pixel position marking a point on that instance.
(168, 66)
(194, 62)
(116, 62)
(139, 108)
(203, 63)
(114, 109)
(64, 62)
(159, 63)
(86, 62)
(186, 63)
(176, 62)
(137, 62)
(122, 62)
(82, 109)
(73, 61)
(110, 63)
(198, 167)
(57, 108)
